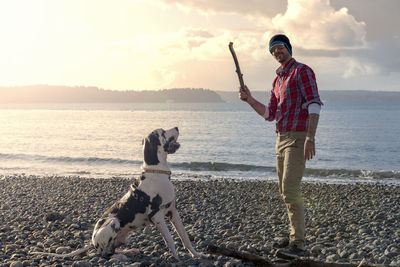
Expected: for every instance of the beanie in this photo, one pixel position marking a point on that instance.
(281, 39)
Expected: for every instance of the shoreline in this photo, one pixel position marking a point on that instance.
(344, 223)
(196, 177)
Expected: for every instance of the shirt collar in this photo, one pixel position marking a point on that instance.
(285, 69)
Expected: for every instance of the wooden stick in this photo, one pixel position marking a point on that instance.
(239, 73)
(257, 260)
(260, 261)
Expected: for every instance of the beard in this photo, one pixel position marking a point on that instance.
(282, 57)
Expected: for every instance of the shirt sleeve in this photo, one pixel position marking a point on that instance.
(314, 108)
(308, 86)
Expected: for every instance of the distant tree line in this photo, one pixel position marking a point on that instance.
(65, 94)
(82, 94)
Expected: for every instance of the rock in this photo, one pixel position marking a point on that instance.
(68, 219)
(344, 253)
(332, 258)
(16, 264)
(63, 250)
(316, 249)
(53, 216)
(280, 242)
(354, 256)
(12, 247)
(74, 226)
(364, 231)
(81, 264)
(229, 264)
(335, 217)
(15, 256)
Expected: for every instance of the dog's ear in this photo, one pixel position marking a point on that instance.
(151, 144)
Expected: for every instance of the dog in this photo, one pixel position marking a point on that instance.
(149, 200)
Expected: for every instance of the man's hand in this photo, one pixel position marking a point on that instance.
(309, 149)
(309, 145)
(245, 94)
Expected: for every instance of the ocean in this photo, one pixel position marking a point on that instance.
(357, 142)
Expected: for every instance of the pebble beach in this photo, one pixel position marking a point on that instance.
(344, 223)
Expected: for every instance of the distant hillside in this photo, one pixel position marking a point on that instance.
(233, 97)
(360, 96)
(65, 94)
(327, 96)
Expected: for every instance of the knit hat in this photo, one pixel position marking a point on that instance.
(280, 39)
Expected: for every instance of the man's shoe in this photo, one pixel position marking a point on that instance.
(293, 252)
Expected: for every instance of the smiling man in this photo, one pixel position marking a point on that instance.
(295, 105)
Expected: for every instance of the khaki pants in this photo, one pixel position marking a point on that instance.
(290, 164)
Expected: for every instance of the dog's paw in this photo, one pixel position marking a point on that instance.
(198, 255)
(131, 250)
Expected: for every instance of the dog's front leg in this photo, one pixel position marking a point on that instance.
(159, 221)
(177, 222)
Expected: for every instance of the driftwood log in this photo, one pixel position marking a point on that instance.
(260, 261)
(239, 73)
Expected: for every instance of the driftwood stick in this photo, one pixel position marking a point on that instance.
(239, 73)
(260, 261)
(257, 260)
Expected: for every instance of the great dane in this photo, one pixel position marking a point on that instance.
(149, 200)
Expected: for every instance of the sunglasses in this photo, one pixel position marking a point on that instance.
(276, 46)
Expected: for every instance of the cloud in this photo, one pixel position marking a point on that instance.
(196, 32)
(191, 55)
(314, 27)
(311, 24)
(248, 7)
(165, 60)
(314, 24)
(354, 67)
(384, 52)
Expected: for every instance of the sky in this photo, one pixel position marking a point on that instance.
(161, 44)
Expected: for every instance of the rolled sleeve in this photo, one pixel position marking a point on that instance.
(308, 86)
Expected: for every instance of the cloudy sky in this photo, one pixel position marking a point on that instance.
(157, 44)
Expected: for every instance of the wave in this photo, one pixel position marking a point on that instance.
(338, 173)
(63, 159)
(218, 167)
(344, 173)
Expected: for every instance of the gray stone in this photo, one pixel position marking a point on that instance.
(81, 264)
(16, 264)
(332, 258)
(316, 249)
(63, 250)
(53, 216)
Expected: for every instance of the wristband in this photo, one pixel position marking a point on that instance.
(311, 139)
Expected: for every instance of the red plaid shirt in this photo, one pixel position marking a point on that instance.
(293, 89)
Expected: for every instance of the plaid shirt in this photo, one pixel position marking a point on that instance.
(293, 90)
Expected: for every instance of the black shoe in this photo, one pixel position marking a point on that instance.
(293, 252)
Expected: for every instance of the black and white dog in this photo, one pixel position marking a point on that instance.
(149, 200)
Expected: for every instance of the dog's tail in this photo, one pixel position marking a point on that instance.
(74, 253)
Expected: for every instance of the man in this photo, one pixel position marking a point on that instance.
(295, 105)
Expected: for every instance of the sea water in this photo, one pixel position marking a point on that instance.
(355, 142)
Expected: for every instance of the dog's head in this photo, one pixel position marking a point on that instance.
(158, 144)
(104, 235)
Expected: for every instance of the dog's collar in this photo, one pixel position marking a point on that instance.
(157, 171)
